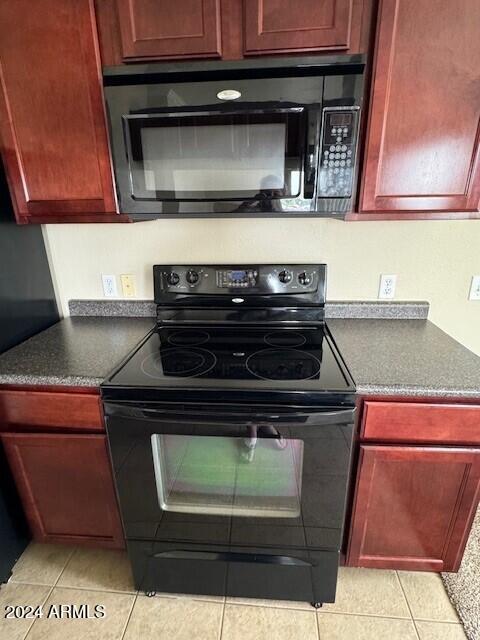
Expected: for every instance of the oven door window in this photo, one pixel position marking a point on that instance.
(216, 156)
(213, 475)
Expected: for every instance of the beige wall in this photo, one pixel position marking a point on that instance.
(434, 260)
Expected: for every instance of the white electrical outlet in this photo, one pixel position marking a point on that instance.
(475, 288)
(387, 286)
(109, 286)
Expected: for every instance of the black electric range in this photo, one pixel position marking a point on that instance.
(230, 428)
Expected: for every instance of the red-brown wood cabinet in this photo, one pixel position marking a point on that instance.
(229, 29)
(273, 26)
(423, 141)
(66, 487)
(61, 466)
(415, 503)
(52, 124)
(422, 147)
(156, 29)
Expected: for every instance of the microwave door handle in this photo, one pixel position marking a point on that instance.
(311, 152)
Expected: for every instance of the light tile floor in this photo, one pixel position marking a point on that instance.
(371, 605)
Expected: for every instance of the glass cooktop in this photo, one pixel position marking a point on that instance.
(243, 357)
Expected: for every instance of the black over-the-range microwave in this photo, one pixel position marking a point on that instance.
(252, 138)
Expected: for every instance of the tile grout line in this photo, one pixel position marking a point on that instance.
(266, 604)
(408, 605)
(361, 615)
(333, 613)
(43, 604)
(415, 620)
(65, 566)
(455, 624)
(50, 591)
(96, 589)
(221, 621)
(132, 592)
(129, 617)
(317, 622)
(181, 596)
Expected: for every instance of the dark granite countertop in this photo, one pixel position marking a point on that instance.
(385, 356)
(75, 351)
(406, 358)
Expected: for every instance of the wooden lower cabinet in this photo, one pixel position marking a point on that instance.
(66, 487)
(413, 507)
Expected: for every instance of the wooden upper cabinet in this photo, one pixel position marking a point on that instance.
(231, 29)
(422, 150)
(289, 25)
(162, 29)
(413, 507)
(52, 122)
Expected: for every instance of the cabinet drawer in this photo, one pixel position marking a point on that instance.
(421, 422)
(46, 409)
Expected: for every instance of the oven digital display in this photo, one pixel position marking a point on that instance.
(238, 275)
(237, 278)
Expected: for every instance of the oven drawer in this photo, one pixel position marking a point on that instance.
(239, 572)
(421, 422)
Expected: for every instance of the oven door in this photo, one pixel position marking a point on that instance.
(257, 476)
(233, 485)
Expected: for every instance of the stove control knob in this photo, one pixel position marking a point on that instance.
(304, 278)
(192, 276)
(285, 276)
(173, 278)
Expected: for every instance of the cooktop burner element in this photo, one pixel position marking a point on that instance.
(283, 364)
(285, 338)
(181, 362)
(184, 337)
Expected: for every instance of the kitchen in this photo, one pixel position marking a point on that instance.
(417, 388)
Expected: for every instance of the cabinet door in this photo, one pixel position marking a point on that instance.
(289, 25)
(422, 150)
(158, 29)
(52, 122)
(413, 507)
(66, 487)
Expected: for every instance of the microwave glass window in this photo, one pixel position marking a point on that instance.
(213, 475)
(212, 157)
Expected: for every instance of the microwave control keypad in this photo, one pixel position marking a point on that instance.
(337, 161)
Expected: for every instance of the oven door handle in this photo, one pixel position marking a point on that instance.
(232, 556)
(305, 418)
